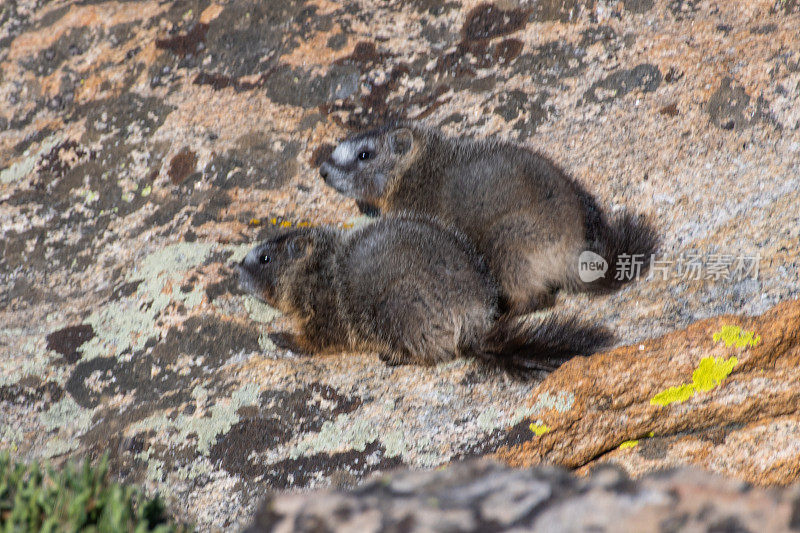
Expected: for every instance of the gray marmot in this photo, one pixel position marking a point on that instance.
(405, 287)
(528, 218)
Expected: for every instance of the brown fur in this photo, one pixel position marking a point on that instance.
(404, 286)
(525, 215)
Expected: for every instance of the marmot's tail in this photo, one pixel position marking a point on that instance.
(540, 344)
(625, 244)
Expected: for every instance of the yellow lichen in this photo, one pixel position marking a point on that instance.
(539, 429)
(712, 371)
(734, 336)
(677, 394)
(709, 373)
(633, 442)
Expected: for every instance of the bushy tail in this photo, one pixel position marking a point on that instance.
(625, 243)
(521, 346)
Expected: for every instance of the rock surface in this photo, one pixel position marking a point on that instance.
(721, 394)
(144, 145)
(485, 496)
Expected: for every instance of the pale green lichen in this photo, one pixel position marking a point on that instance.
(488, 420)
(193, 470)
(709, 374)
(66, 412)
(58, 446)
(561, 402)
(10, 437)
(734, 336)
(126, 323)
(259, 311)
(216, 421)
(345, 432)
(19, 170)
(492, 419)
(155, 467)
(36, 360)
(238, 251)
(348, 432)
(266, 344)
(394, 443)
(357, 222)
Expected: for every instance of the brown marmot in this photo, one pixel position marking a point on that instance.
(406, 287)
(529, 219)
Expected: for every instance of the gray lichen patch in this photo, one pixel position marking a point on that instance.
(206, 423)
(23, 168)
(259, 311)
(126, 324)
(645, 78)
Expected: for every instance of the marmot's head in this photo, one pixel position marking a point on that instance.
(272, 269)
(362, 165)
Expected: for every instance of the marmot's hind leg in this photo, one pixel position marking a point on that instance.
(395, 359)
(528, 279)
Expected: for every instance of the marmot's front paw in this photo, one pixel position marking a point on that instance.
(392, 360)
(287, 341)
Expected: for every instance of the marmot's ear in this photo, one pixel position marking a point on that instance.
(402, 140)
(300, 246)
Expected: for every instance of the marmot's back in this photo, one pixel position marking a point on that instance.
(406, 287)
(528, 218)
(417, 279)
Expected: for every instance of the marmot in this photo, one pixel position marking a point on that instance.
(525, 215)
(406, 287)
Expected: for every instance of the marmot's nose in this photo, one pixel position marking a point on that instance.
(324, 170)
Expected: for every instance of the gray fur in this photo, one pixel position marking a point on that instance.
(404, 286)
(525, 215)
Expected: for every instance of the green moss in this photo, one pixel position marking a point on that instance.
(76, 498)
(709, 374)
(734, 336)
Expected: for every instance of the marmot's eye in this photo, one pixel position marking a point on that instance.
(264, 259)
(364, 156)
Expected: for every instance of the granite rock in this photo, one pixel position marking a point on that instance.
(485, 496)
(146, 144)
